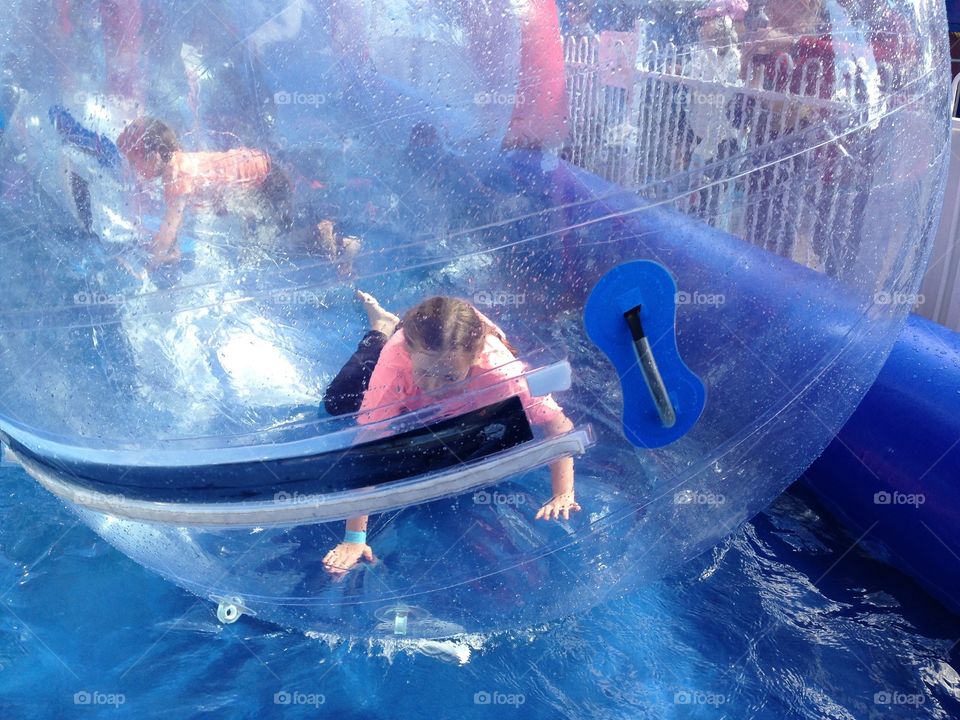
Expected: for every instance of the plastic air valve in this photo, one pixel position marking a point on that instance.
(631, 316)
(230, 609)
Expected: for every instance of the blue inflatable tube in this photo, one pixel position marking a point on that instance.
(893, 472)
(953, 15)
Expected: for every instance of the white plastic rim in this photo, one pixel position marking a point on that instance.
(298, 509)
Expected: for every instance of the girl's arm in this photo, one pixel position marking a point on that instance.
(561, 478)
(380, 391)
(166, 236)
(357, 524)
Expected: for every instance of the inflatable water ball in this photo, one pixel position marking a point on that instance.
(679, 247)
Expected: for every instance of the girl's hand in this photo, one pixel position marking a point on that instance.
(345, 556)
(558, 505)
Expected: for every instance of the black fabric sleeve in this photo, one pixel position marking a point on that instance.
(345, 393)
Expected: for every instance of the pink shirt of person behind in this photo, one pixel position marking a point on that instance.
(393, 390)
(203, 176)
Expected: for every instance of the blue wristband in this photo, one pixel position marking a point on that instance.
(355, 536)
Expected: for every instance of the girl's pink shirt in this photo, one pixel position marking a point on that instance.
(200, 175)
(393, 391)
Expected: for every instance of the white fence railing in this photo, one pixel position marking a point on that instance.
(755, 152)
(941, 285)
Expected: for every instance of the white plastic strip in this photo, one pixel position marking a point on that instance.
(7, 456)
(550, 379)
(192, 452)
(299, 509)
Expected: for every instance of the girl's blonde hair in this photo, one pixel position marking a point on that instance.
(149, 136)
(444, 324)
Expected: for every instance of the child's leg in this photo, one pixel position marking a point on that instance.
(80, 190)
(277, 191)
(345, 394)
(267, 211)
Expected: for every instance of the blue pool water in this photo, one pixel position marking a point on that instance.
(784, 620)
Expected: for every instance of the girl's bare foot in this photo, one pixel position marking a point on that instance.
(326, 238)
(350, 246)
(380, 319)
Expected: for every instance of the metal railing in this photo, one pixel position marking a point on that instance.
(775, 152)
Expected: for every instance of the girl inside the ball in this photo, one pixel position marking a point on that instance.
(403, 366)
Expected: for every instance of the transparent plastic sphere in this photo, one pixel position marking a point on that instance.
(784, 165)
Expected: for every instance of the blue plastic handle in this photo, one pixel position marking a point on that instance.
(645, 290)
